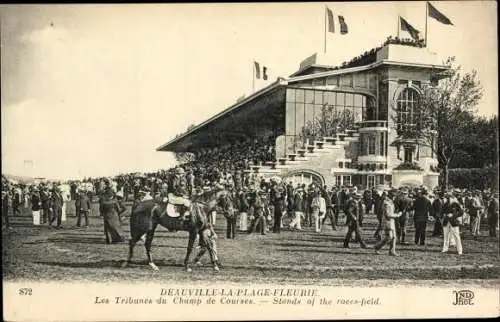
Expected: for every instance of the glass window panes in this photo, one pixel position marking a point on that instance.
(360, 80)
(299, 117)
(358, 100)
(372, 79)
(329, 98)
(318, 97)
(349, 99)
(306, 83)
(346, 80)
(347, 180)
(340, 99)
(371, 181)
(371, 145)
(332, 80)
(318, 82)
(299, 95)
(290, 95)
(290, 119)
(309, 96)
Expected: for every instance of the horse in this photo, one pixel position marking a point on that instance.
(148, 214)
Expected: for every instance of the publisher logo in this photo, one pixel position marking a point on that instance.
(463, 297)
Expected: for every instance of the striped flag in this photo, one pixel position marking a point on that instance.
(258, 71)
(405, 26)
(343, 25)
(436, 14)
(331, 21)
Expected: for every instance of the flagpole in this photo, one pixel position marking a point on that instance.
(253, 77)
(426, 16)
(325, 28)
(399, 18)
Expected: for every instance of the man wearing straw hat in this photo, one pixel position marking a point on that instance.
(403, 205)
(352, 213)
(298, 208)
(388, 224)
(452, 211)
(493, 215)
(378, 201)
(35, 206)
(82, 206)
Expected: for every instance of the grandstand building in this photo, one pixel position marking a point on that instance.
(334, 125)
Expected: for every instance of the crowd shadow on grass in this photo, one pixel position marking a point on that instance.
(113, 264)
(93, 241)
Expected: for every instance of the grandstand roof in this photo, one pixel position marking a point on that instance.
(260, 113)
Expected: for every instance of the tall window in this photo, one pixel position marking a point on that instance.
(407, 109)
(371, 145)
(371, 181)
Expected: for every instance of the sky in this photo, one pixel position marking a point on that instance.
(93, 90)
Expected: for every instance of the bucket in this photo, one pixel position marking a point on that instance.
(36, 217)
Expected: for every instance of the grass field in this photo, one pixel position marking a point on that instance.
(76, 254)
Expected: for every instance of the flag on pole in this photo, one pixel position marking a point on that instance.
(434, 13)
(258, 71)
(331, 21)
(343, 25)
(405, 26)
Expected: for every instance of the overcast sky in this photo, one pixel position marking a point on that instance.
(95, 89)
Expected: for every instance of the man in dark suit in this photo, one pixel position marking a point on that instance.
(422, 207)
(403, 205)
(352, 211)
(226, 206)
(277, 196)
(56, 203)
(45, 200)
(436, 212)
(327, 195)
(82, 205)
(378, 202)
(493, 215)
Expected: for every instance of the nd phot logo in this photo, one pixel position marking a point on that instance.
(463, 297)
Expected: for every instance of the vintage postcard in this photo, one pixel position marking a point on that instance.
(250, 161)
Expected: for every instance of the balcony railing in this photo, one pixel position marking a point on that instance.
(375, 123)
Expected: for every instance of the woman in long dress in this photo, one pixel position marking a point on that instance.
(108, 207)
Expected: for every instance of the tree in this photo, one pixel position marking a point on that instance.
(480, 150)
(331, 121)
(444, 112)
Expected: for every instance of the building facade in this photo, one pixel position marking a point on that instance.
(335, 125)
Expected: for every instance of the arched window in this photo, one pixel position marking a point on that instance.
(407, 109)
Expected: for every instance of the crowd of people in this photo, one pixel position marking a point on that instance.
(252, 203)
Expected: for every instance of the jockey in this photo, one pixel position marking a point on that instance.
(178, 190)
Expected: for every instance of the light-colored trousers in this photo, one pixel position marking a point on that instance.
(317, 220)
(212, 217)
(63, 217)
(243, 221)
(475, 224)
(451, 232)
(296, 221)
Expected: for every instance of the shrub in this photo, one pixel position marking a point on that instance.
(474, 178)
(408, 166)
